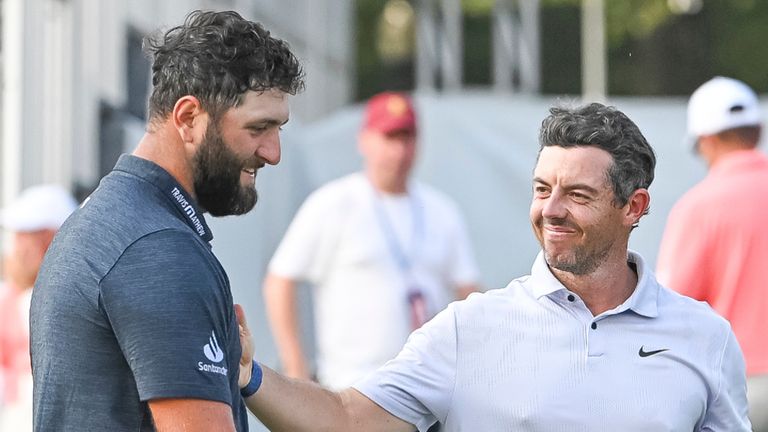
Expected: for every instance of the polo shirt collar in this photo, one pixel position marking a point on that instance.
(643, 300)
(177, 197)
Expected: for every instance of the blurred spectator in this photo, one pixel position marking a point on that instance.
(383, 252)
(33, 219)
(715, 246)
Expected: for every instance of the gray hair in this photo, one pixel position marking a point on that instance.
(609, 129)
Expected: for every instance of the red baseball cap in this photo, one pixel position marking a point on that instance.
(390, 112)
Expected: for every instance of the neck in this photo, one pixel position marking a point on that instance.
(169, 152)
(392, 187)
(605, 288)
(719, 149)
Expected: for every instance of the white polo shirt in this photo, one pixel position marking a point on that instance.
(531, 357)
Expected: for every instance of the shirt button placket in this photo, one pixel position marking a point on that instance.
(594, 341)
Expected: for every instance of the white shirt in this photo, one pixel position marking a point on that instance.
(337, 243)
(526, 358)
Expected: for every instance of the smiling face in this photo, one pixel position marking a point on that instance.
(573, 212)
(244, 139)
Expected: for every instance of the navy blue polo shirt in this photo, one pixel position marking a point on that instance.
(131, 305)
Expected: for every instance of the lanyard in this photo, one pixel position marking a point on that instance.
(416, 300)
(398, 251)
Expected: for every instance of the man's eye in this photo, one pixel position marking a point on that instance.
(579, 197)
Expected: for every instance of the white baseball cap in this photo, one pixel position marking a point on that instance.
(721, 104)
(38, 208)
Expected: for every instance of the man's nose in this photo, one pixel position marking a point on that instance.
(554, 207)
(270, 149)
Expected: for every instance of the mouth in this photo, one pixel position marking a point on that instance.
(557, 232)
(559, 229)
(250, 171)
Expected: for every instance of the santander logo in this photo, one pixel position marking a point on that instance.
(212, 350)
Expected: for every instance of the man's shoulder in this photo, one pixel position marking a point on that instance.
(509, 296)
(715, 190)
(433, 193)
(127, 207)
(348, 188)
(355, 181)
(698, 313)
(436, 201)
(698, 196)
(172, 243)
(111, 220)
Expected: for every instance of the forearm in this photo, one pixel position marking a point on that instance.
(286, 404)
(280, 299)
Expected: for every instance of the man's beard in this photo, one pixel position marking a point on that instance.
(581, 261)
(217, 172)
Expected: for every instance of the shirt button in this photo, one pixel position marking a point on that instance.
(571, 297)
(594, 326)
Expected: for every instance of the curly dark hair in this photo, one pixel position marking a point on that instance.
(217, 57)
(607, 128)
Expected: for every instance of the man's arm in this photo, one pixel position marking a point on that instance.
(285, 404)
(181, 315)
(191, 415)
(280, 300)
(727, 410)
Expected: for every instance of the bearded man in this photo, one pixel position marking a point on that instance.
(132, 321)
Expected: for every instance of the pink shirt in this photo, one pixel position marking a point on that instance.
(715, 249)
(15, 365)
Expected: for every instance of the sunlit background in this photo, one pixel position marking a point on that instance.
(483, 72)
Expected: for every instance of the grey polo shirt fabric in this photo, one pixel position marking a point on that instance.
(531, 357)
(131, 305)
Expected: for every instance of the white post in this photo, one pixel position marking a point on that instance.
(530, 68)
(13, 97)
(426, 46)
(503, 40)
(452, 44)
(593, 55)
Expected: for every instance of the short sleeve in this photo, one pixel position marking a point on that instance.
(168, 308)
(728, 409)
(308, 240)
(417, 385)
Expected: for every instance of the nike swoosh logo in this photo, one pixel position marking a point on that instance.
(650, 353)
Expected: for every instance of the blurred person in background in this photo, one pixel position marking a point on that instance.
(589, 341)
(715, 245)
(133, 326)
(32, 220)
(383, 252)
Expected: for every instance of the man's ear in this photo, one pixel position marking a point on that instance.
(189, 119)
(636, 206)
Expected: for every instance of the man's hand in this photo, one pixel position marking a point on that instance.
(246, 342)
